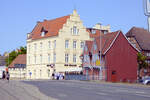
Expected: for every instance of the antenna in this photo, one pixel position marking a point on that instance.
(146, 5)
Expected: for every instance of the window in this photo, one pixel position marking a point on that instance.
(49, 44)
(95, 47)
(148, 54)
(48, 58)
(82, 44)
(41, 59)
(34, 46)
(43, 34)
(74, 58)
(74, 44)
(66, 43)
(54, 58)
(34, 59)
(41, 45)
(66, 58)
(74, 30)
(93, 31)
(54, 44)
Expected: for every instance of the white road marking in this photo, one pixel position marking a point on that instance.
(143, 95)
(139, 92)
(62, 95)
(100, 93)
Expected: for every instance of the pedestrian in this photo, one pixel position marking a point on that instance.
(53, 75)
(7, 76)
(3, 75)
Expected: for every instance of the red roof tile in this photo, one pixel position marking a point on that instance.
(50, 27)
(20, 59)
(89, 45)
(106, 41)
(142, 37)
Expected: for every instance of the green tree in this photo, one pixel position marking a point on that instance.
(14, 54)
(11, 57)
(22, 50)
(141, 62)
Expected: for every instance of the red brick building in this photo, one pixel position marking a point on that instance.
(110, 57)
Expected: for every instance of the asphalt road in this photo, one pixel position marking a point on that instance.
(82, 90)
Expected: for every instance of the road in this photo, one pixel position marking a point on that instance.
(82, 90)
(17, 90)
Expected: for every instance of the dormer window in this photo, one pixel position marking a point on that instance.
(93, 31)
(43, 34)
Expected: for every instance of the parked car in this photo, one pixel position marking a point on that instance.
(146, 81)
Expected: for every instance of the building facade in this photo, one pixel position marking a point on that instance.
(55, 46)
(140, 38)
(110, 57)
(17, 69)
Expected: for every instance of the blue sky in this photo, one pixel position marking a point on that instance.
(18, 17)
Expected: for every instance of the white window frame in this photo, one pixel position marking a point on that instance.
(49, 44)
(74, 30)
(66, 44)
(74, 44)
(74, 58)
(66, 58)
(82, 44)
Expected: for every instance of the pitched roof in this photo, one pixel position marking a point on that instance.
(94, 35)
(89, 45)
(142, 37)
(20, 59)
(106, 41)
(50, 27)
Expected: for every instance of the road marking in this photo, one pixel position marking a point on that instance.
(100, 93)
(62, 95)
(143, 95)
(139, 92)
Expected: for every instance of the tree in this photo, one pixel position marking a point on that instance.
(11, 57)
(14, 54)
(22, 50)
(141, 62)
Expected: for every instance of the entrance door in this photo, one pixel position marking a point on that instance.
(113, 76)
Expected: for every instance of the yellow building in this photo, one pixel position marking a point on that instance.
(55, 46)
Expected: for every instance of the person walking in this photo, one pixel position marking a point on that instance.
(3, 75)
(7, 76)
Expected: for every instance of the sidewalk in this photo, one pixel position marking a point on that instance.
(16, 90)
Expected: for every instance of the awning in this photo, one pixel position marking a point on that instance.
(74, 69)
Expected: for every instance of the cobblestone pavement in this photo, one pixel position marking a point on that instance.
(17, 90)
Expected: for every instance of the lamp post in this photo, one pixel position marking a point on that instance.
(146, 6)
